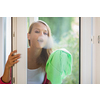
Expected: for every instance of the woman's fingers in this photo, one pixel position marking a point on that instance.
(15, 56)
(12, 56)
(12, 59)
(10, 64)
(13, 52)
(15, 59)
(15, 62)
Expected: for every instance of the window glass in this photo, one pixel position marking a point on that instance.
(65, 32)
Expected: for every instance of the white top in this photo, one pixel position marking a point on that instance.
(35, 76)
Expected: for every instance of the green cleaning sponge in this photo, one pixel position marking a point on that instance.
(58, 66)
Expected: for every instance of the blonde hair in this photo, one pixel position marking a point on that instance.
(42, 59)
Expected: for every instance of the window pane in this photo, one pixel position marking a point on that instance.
(65, 32)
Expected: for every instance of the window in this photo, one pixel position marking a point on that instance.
(65, 32)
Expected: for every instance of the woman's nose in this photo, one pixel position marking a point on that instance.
(41, 33)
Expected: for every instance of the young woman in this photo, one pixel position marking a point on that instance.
(38, 35)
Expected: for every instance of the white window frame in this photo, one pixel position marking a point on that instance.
(19, 32)
(90, 50)
(96, 51)
(33, 19)
(85, 50)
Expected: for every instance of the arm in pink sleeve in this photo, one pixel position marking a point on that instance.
(46, 81)
(2, 82)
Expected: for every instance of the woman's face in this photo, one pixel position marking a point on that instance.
(38, 36)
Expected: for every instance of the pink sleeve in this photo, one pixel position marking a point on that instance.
(46, 81)
(2, 82)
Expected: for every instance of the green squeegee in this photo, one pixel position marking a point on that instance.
(58, 66)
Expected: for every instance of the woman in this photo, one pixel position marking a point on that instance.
(37, 55)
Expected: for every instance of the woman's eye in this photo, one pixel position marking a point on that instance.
(45, 33)
(36, 31)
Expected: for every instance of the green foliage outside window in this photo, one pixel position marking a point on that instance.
(65, 32)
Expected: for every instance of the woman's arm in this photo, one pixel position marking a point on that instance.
(12, 59)
(6, 76)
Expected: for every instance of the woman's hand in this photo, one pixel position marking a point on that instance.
(12, 59)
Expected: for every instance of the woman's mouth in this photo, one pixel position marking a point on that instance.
(40, 40)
